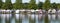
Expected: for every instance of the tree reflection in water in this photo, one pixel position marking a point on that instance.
(32, 18)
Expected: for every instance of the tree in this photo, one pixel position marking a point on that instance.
(1, 4)
(18, 4)
(58, 6)
(40, 4)
(25, 5)
(54, 5)
(7, 5)
(46, 5)
(32, 5)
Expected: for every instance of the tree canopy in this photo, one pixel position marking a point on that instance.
(18, 4)
(7, 5)
(31, 5)
(40, 5)
(46, 5)
(1, 4)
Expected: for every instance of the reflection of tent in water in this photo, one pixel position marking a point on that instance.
(17, 16)
(59, 16)
(5, 17)
(53, 16)
(40, 17)
(32, 16)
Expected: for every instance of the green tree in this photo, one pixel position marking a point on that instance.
(25, 5)
(58, 6)
(1, 4)
(7, 5)
(54, 5)
(18, 4)
(32, 5)
(46, 5)
(40, 4)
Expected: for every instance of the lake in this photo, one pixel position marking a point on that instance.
(29, 18)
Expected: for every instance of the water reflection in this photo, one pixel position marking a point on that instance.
(30, 18)
(53, 19)
(40, 18)
(3, 19)
(36, 18)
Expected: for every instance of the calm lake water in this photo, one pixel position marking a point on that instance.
(36, 18)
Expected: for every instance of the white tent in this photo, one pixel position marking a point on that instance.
(53, 11)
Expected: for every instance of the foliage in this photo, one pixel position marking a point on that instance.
(25, 5)
(40, 4)
(18, 4)
(7, 5)
(32, 5)
(1, 4)
(58, 5)
(46, 5)
(54, 5)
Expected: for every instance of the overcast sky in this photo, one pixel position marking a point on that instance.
(24, 1)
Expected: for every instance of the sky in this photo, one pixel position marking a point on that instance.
(37, 1)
